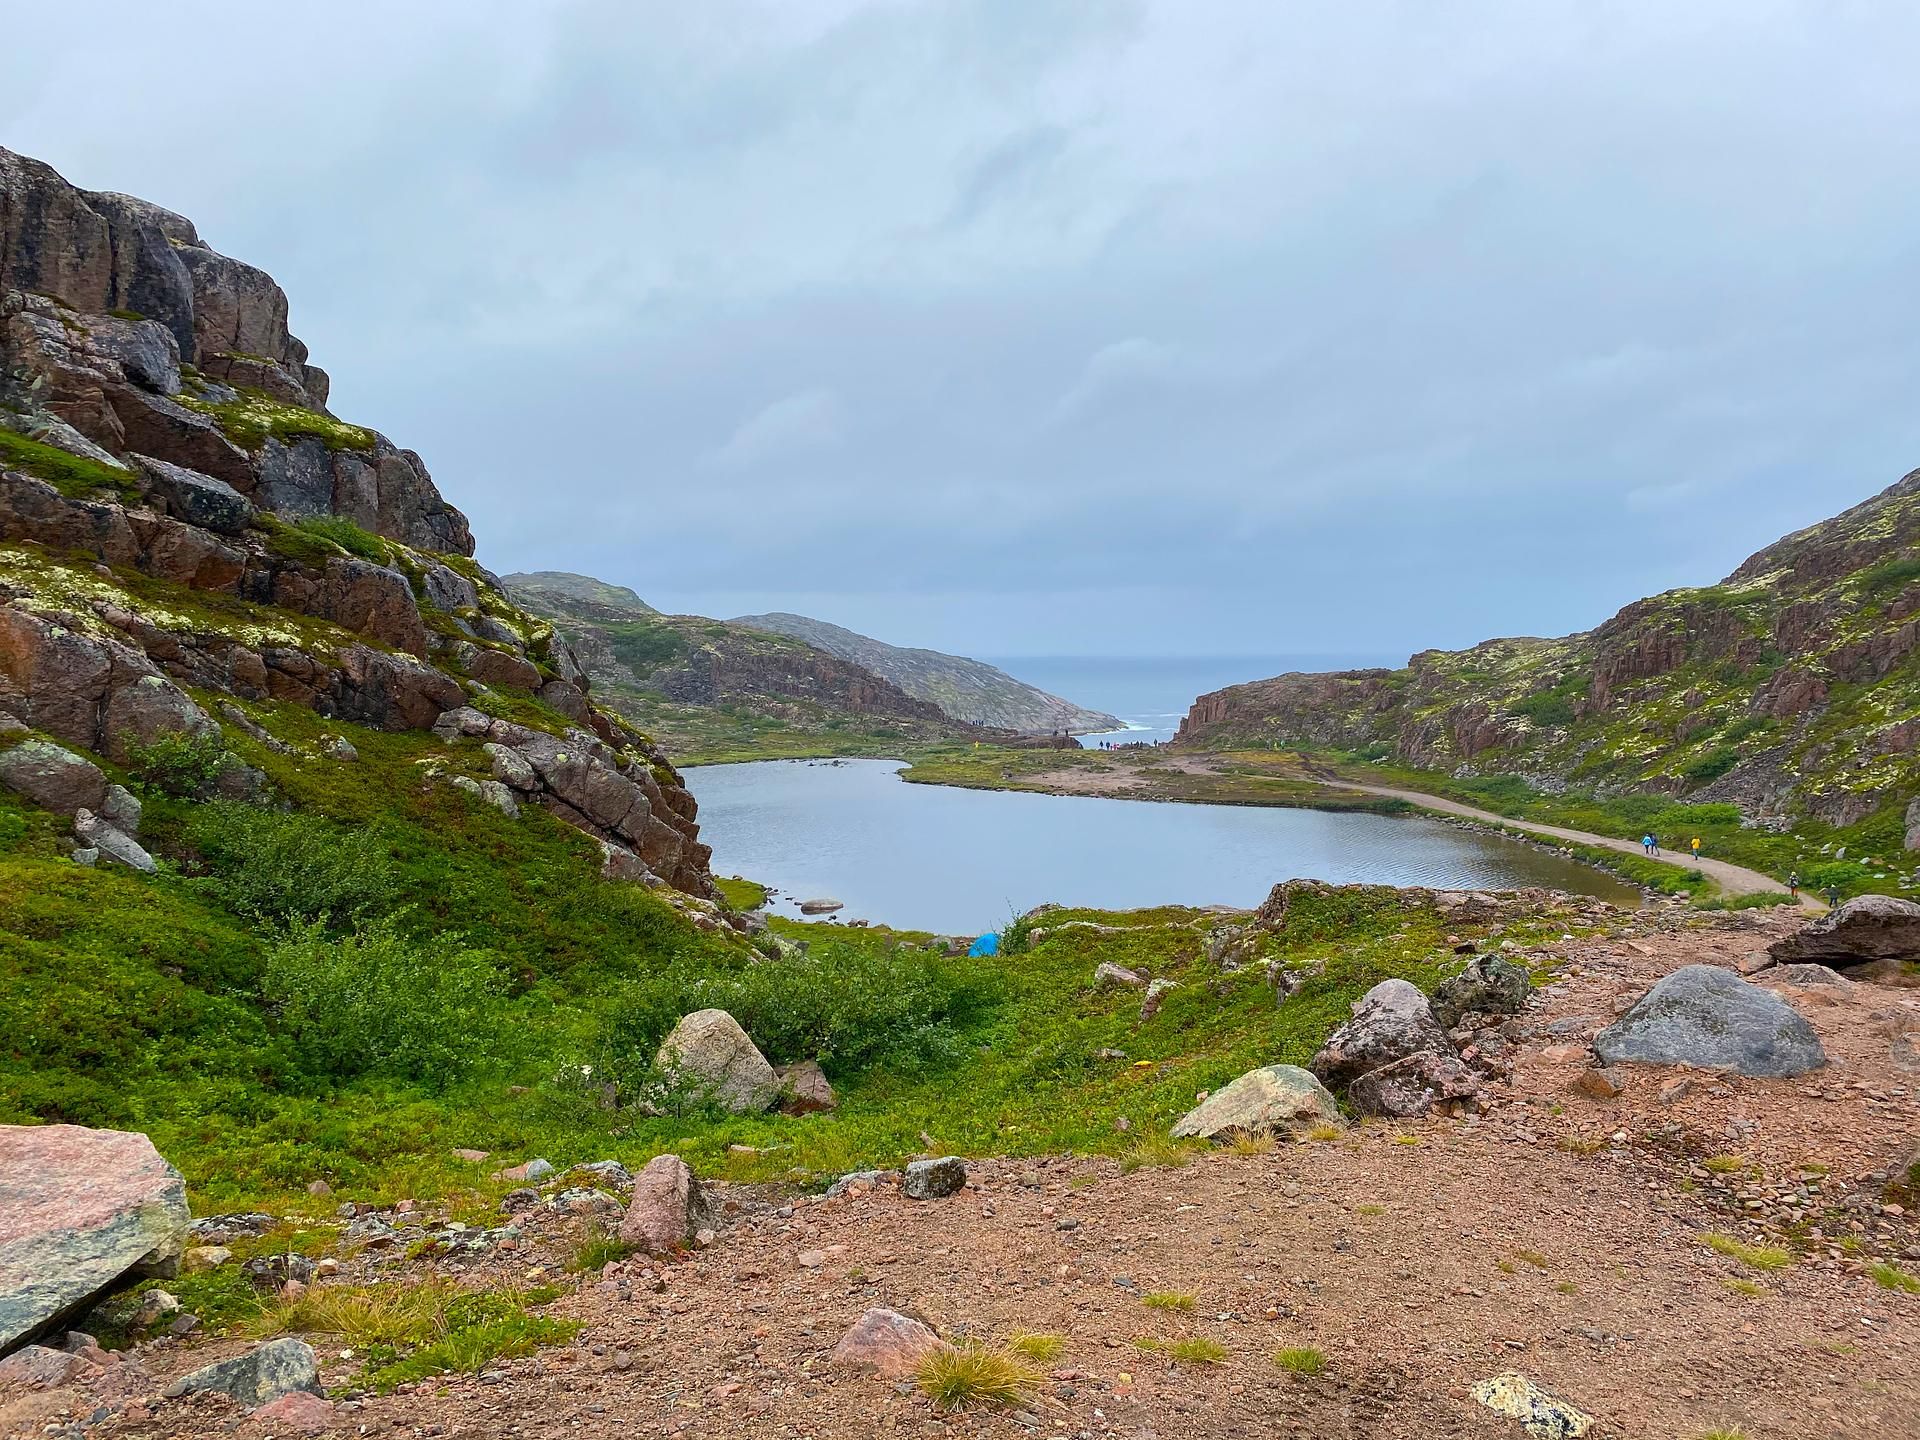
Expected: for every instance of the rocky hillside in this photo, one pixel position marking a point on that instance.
(657, 668)
(967, 690)
(1791, 688)
(192, 545)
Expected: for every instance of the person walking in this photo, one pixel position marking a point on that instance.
(1833, 897)
(1793, 883)
(1695, 846)
(1646, 843)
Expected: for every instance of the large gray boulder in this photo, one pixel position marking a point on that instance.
(1913, 826)
(1701, 1015)
(80, 1211)
(264, 1373)
(1272, 1098)
(1867, 928)
(195, 498)
(1390, 1022)
(711, 1055)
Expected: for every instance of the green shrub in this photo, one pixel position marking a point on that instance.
(1547, 710)
(841, 1003)
(374, 1002)
(180, 763)
(285, 868)
(1711, 766)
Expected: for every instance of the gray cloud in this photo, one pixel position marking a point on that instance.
(1060, 325)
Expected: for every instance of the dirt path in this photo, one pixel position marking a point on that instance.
(1732, 879)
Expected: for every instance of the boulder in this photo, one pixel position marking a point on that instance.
(53, 778)
(804, 1089)
(667, 1207)
(115, 844)
(885, 1343)
(1804, 976)
(1413, 1085)
(821, 906)
(1107, 976)
(1390, 1022)
(38, 1367)
(1913, 826)
(934, 1179)
(1866, 928)
(262, 1374)
(301, 1411)
(1543, 1416)
(709, 1053)
(1272, 1098)
(1707, 1017)
(1156, 996)
(488, 792)
(80, 1210)
(194, 498)
(1490, 985)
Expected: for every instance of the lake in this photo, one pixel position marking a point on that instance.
(932, 857)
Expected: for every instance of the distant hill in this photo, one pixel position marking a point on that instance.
(1792, 688)
(563, 586)
(712, 689)
(967, 690)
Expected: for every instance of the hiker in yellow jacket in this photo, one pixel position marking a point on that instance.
(1694, 845)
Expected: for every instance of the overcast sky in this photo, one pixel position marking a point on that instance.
(1066, 326)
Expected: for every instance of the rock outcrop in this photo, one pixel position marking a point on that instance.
(81, 1211)
(1707, 1017)
(179, 510)
(1865, 929)
(1393, 1057)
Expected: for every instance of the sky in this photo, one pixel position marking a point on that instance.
(1057, 327)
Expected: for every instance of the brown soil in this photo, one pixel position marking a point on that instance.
(1558, 1236)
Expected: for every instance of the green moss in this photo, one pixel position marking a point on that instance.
(340, 531)
(254, 417)
(74, 476)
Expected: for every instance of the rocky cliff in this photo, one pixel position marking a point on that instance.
(970, 691)
(184, 525)
(1792, 687)
(637, 657)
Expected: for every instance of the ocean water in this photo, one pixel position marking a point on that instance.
(1152, 694)
(932, 857)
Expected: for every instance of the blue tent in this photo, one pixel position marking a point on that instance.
(987, 944)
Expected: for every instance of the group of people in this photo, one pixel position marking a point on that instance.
(1651, 844)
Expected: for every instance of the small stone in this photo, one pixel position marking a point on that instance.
(933, 1179)
(885, 1343)
(1601, 1082)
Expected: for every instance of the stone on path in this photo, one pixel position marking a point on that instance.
(1541, 1415)
(79, 1210)
(1390, 1022)
(709, 1053)
(1708, 1017)
(263, 1373)
(667, 1208)
(933, 1179)
(1260, 1102)
(1491, 985)
(885, 1343)
(298, 1410)
(1866, 928)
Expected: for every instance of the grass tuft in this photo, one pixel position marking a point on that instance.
(1195, 1350)
(1036, 1346)
(1250, 1142)
(1740, 1285)
(1755, 1257)
(1302, 1360)
(1159, 1152)
(1179, 1300)
(599, 1251)
(1891, 1277)
(965, 1377)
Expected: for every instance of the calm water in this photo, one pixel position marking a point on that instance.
(929, 857)
(1151, 694)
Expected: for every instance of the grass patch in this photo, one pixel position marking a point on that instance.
(74, 476)
(415, 1332)
(1740, 1285)
(1754, 1257)
(1250, 1142)
(1891, 1277)
(1037, 1346)
(601, 1250)
(1179, 1301)
(1369, 1209)
(958, 1378)
(1726, 1164)
(254, 417)
(1194, 1350)
(741, 894)
(1303, 1361)
(1156, 1152)
(1323, 1132)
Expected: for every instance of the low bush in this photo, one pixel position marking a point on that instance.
(179, 764)
(286, 868)
(376, 1003)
